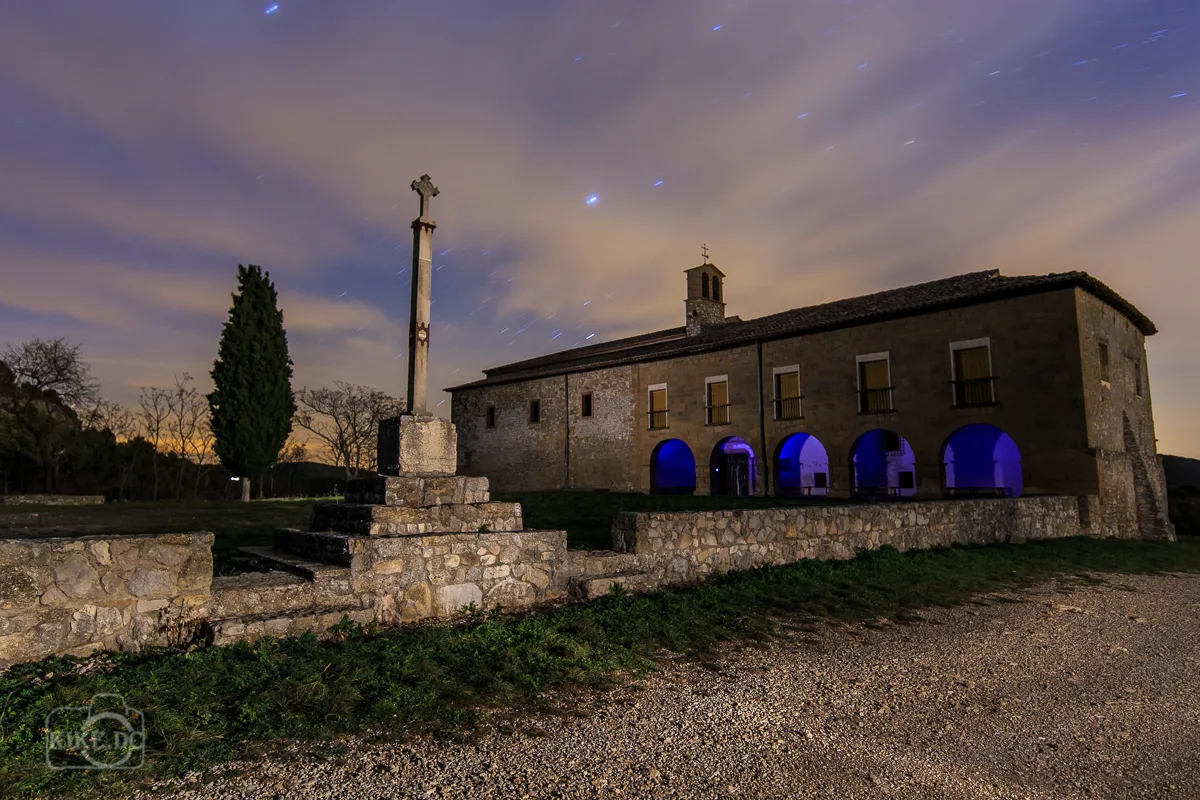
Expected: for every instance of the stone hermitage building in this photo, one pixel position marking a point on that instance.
(849, 397)
(971, 386)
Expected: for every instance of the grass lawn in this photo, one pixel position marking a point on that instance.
(215, 704)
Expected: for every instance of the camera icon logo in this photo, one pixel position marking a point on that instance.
(106, 734)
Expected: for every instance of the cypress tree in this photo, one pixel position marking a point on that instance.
(252, 403)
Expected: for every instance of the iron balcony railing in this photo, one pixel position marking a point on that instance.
(974, 392)
(658, 419)
(718, 415)
(787, 408)
(875, 401)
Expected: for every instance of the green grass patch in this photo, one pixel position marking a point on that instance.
(217, 704)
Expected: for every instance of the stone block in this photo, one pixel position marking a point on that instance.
(417, 491)
(377, 520)
(448, 600)
(420, 445)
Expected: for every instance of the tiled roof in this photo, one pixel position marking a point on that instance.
(960, 290)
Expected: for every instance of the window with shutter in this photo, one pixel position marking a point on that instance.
(787, 395)
(973, 377)
(718, 402)
(658, 408)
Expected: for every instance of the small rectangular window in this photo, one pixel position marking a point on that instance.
(820, 480)
(658, 407)
(1137, 377)
(585, 409)
(1104, 362)
(535, 411)
(908, 480)
(717, 402)
(490, 417)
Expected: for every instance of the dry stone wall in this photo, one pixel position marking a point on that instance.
(685, 546)
(51, 499)
(80, 595)
(77, 596)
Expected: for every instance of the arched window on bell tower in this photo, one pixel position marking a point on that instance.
(716, 288)
(704, 285)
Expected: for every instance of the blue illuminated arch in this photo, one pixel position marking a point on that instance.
(882, 463)
(672, 468)
(801, 466)
(733, 468)
(981, 459)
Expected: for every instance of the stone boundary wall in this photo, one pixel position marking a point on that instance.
(684, 546)
(51, 500)
(77, 596)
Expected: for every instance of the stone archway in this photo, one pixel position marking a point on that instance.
(882, 464)
(733, 468)
(801, 467)
(672, 468)
(980, 460)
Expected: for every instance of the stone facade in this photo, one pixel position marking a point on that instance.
(1069, 425)
(77, 596)
(51, 500)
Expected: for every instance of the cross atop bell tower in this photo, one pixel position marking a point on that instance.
(705, 303)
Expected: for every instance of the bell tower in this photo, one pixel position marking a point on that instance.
(705, 304)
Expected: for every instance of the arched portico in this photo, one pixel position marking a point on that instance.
(882, 464)
(672, 468)
(801, 467)
(733, 468)
(981, 460)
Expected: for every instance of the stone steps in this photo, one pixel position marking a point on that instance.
(316, 571)
(586, 563)
(282, 623)
(327, 546)
(593, 587)
(417, 492)
(264, 592)
(367, 519)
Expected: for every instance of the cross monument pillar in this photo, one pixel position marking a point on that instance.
(416, 443)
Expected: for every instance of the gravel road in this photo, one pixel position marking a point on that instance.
(1087, 694)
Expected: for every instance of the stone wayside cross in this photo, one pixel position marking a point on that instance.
(417, 443)
(418, 321)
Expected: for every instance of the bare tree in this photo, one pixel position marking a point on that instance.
(124, 426)
(292, 453)
(54, 365)
(202, 453)
(187, 417)
(156, 410)
(345, 417)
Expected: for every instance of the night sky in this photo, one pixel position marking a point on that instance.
(584, 152)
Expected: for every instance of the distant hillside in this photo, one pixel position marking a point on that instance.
(306, 479)
(1182, 471)
(1183, 493)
